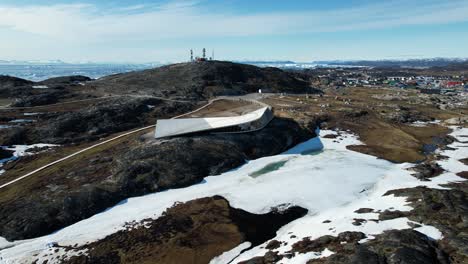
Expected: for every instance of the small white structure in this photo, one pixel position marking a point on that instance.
(40, 87)
(252, 121)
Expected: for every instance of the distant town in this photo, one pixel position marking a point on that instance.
(423, 80)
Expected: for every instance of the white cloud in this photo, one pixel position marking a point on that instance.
(182, 19)
(132, 8)
(85, 24)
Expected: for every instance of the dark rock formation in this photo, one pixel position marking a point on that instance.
(192, 232)
(4, 154)
(13, 136)
(364, 210)
(57, 90)
(12, 86)
(51, 97)
(391, 247)
(96, 121)
(427, 170)
(464, 161)
(10, 81)
(447, 210)
(64, 81)
(156, 167)
(408, 115)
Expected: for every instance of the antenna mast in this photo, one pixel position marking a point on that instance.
(204, 53)
(191, 55)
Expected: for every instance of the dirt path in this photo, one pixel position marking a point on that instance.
(97, 145)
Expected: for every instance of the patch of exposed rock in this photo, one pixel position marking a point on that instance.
(64, 81)
(158, 166)
(50, 97)
(4, 154)
(404, 114)
(12, 86)
(464, 161)
(191, 232)
(96, 121)
(447, 210)
(390, 247)
(26, 96)
(427, 170)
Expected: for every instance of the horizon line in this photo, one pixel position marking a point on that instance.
(59, 61)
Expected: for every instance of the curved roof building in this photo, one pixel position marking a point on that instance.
(248, 122)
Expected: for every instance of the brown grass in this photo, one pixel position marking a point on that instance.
(383, 138)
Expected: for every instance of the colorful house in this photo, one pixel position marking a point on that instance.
(453, 84)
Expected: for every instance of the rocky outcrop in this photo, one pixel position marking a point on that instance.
(13, 136)
(64, 81)
(391, 247)
(12, 86)
(158, 166)
(5, 154)
(10, 81)
(51, 91)
(407, 115)
(102, 119)
(38, 99)
(444, 209)
(426, 170)
(192, 232)
(149, 167)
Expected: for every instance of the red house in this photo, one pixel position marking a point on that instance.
(452, 84)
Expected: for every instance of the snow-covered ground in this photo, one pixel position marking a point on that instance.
(18, 151)
(40, 87)
(320, 175)
(23, 150)
(424, 124)
(341, 217)
(22, 121)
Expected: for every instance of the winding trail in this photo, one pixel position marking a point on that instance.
(97, 145)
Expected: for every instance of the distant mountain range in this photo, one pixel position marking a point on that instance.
(60, 62)
(410, 63)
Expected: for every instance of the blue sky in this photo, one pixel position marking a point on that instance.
(147, 31)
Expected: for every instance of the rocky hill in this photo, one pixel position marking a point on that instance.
(10, 81)
(9, 84)
(25, 93)
(201, 80)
